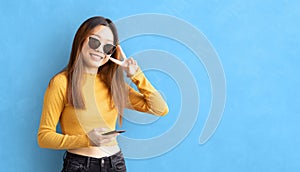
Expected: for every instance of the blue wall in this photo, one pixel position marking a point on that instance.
(257, 43)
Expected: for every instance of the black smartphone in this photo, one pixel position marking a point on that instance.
(114, 131)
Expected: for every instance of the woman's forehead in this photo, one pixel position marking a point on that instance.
(103, 32)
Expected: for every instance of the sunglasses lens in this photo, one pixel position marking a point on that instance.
(94, 43)
(109, 49)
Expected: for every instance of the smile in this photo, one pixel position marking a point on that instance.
(96, 56)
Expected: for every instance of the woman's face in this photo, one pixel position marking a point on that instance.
(94, 58)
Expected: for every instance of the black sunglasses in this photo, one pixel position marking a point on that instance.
(94, 43)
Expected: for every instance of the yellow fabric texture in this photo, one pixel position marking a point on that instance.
(76, 123)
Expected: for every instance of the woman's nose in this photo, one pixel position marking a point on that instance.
(99, 49)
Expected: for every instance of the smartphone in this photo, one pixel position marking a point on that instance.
(114, 131)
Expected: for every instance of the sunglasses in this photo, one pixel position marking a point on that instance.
(94, 43)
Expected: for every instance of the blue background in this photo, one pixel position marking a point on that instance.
(258, 45)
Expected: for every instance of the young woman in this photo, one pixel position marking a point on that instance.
(89, 95)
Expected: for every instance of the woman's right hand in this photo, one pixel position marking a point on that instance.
(97, 139)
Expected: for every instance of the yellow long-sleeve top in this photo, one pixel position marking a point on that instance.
(76, 123)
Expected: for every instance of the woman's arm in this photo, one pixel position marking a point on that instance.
(54, 102)
(148, 99)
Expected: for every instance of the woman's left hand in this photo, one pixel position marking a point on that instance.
(129, 65)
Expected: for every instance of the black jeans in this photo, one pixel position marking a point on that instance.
(79, 163)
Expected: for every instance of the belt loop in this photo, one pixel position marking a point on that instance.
(88, 160)
(102, 161)
(65, 154)
(111, 160)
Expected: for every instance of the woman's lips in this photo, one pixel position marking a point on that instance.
(96, 57)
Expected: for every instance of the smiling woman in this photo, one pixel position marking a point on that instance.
(95, 52)
(89, 95)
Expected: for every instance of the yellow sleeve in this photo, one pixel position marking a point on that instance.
(54, 102)
(148, 99)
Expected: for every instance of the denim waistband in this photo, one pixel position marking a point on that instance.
(87, 160)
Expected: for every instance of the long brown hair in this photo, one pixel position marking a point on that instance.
(110, 73)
